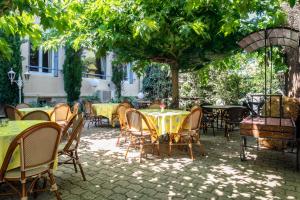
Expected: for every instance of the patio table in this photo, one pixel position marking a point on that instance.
(24, 111)
(106, 110)
(220, 110)
(168, 121)
(7, 134)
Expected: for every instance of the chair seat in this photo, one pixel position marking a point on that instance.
(188, 133)
(62, 123)
(62, 145)
(137, 133)
(16, 173)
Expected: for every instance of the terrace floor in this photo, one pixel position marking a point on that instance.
(219, 175)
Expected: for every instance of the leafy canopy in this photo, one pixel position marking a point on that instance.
(18, 18)
(189, 33)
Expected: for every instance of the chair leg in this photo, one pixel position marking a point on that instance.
(80, 166)
(23, 192)
(53, 185)
(74, 162)
(141, 149)
(170, 145)
(158, 150)
(126, 153)
(191, 150)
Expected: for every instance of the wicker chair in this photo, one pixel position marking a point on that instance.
(154, 106)
(89, 115)
(61, 114)
(23, 105)
(189, 136)
(37, 115)
(67, 128)
(38, 149)
(208, 119)
(12, 113)
(75, 108)
(69, 148)
(139, 136)
(121, 111)
(233, 116)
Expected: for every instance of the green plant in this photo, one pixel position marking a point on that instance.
(9, 92)
(72, 70)
(118, 74)
(157, 82)
(233, 78)
(184, 34)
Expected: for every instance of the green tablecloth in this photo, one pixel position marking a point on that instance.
(168, 121)
(7, 134)
(24, 111)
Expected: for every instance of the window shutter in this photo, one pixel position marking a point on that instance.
(55, 66)
(130, 74)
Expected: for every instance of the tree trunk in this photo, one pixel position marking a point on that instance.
(175, 86)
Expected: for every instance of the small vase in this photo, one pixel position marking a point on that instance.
(162, 109)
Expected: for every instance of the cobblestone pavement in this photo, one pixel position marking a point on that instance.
(219, 175)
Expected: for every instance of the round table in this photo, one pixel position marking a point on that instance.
(105, 109)
(48, 110)
(8, 133)
(168, 121)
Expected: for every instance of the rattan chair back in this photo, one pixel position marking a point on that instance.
(38, 147)
(194, 107)
(37, 115)
(88, 110)
(121, 111)
(23, 105)
(74, 138)
(61, 112)
(193, 120)
(75, 108)
(12, 113)
(69, 124)
(135, 120)
(154, 106)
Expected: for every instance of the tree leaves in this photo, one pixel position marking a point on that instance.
(292, 3)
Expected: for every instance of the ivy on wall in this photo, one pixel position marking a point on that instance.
(9, 92)
(72, 70)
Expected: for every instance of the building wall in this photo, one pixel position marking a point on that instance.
(47, 85)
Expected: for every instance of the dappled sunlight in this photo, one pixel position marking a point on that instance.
(220, 174)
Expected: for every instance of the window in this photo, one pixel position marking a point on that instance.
(39, 60)
(125, 70)
(128, 73)
(33, 59)
(103, 68)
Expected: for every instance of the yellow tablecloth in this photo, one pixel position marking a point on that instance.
(24, 111)
(106, 110)
(7, 134)
(168, 121)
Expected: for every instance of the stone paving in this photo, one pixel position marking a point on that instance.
(219, 175)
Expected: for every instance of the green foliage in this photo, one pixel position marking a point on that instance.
(157, 82)
(9, 93)
(230, 80)
(18, 18)
(185, 34)
(72, 70)
(118, 74)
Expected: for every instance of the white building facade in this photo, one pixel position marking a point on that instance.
(46, 80)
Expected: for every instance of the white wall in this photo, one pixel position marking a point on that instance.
(47, 85)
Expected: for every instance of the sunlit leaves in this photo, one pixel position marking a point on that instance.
(144, 28)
